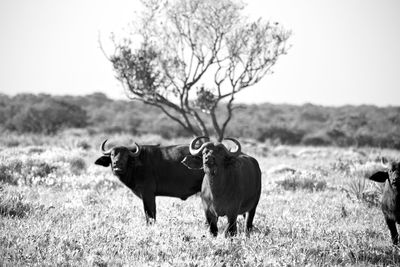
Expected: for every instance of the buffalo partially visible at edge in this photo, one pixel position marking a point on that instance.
(390, 203)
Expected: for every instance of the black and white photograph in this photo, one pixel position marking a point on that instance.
(199, 133)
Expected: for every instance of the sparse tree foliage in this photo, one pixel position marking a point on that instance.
(187, 57)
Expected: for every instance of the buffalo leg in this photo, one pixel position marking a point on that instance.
(249, 219)
(393, 230)
(149, 203)
(232, 228)
(212, 221)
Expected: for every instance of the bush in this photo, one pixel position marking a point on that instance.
(28, 172)
(282, 134)
(359, 189)
(303, 181)
(13, 204)
(83, 144)
(47, 116)
(316, 139)
(339, 138)
(9, 171)
(77, 165)
(342, 165)
(11, 143)
(37, 168)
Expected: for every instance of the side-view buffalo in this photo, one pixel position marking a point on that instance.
(390, 198)
(231, 184)
(151, 171)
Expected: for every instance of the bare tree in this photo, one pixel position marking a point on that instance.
(187, 57)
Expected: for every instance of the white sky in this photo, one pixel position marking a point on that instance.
(343, 51)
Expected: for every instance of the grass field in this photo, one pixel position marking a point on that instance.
(316, 208)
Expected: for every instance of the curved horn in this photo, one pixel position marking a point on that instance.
(106, 153)
(137, 148)
(384, 162)
(193, 151)
(236, 152)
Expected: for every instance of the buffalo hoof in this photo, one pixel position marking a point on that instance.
(214, 233)
(150, 221)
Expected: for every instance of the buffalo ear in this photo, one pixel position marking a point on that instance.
(103, 161)
(193, 162)
(379, 177)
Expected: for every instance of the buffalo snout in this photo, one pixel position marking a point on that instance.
(117, 169)
(209, 160)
